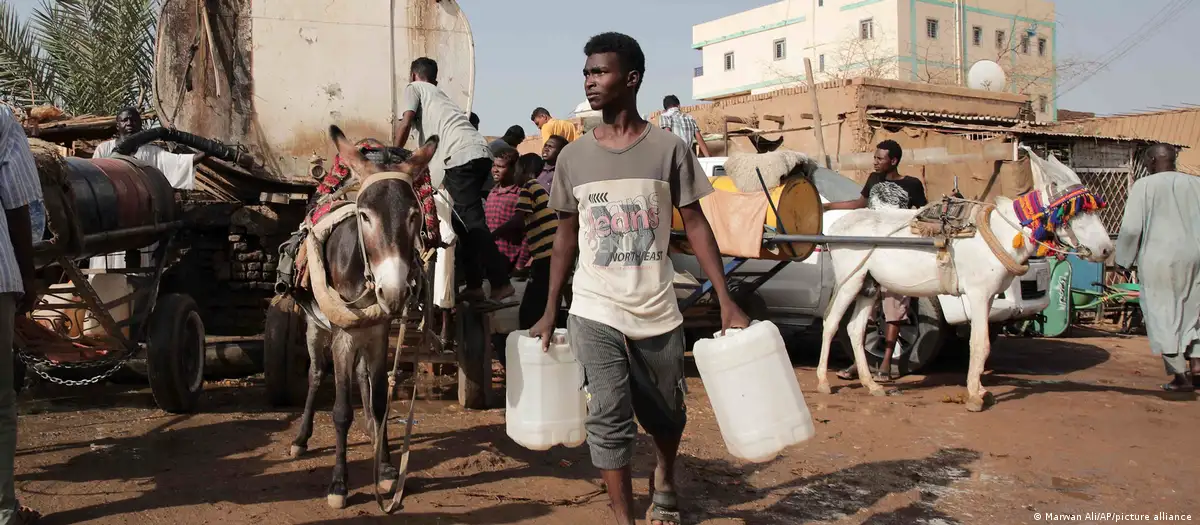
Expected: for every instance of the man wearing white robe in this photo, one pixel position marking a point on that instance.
(177, 168)
(1159, 236)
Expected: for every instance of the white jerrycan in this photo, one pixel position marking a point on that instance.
(543, 402)
(753, 391)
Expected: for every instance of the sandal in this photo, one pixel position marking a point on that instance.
(1172, 387)
(663, 509)
(849, 373)
(27, 516)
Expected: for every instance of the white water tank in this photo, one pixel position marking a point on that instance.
(110, 287)
(754, 392)
(544, 404)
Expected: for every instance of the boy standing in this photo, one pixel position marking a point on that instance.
(614, 190)
(886, 188)
(501, 208)
(550, 151)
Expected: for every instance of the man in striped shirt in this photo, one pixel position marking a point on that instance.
(682, 125)
(541, 224)
(19, 187)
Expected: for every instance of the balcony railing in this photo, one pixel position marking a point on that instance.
(698, 72)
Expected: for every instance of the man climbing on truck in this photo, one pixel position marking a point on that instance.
(464, 155)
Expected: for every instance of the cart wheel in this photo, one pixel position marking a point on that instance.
(175, 353)
(474, 367)
(285, 355)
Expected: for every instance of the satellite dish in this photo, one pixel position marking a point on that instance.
(986, 75)
(584, 107)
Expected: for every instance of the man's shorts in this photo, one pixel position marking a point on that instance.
(895, 307)
(622, 378)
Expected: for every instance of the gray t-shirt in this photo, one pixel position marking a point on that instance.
(438, 115)
(625, 200)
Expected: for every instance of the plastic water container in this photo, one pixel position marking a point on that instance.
(110, 287)
(753, 391)
(544, 405)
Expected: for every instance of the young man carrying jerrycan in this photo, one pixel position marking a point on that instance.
(614, 189)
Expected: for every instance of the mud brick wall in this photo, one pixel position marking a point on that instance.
(230, 274)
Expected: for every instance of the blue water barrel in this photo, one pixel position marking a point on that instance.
(1084, 273)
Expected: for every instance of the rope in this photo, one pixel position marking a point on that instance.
(427, 267)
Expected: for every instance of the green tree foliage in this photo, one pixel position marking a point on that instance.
(85, 56)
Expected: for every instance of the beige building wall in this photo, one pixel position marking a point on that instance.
(846, 131)
(763, 49)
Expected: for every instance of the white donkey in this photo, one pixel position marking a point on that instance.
(1058, 214)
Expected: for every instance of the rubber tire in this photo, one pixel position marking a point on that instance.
(929, 331)
(285, 353)
(474, 370)
(175, 337)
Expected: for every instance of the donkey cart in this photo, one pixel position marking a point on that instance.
(93, 324)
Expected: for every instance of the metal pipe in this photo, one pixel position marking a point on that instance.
(43, 246)
(840, 239)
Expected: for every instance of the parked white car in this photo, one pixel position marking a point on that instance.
(798, 295)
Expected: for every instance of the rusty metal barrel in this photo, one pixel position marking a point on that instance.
(121, 203)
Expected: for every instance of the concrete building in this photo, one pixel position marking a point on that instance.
(933, 41)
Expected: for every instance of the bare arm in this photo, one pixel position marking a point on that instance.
(704, 244)
(404, 128)
(703, 147)
(511, 226)
(562, 259)
(855, 204)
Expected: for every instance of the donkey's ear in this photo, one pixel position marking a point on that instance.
(423, 155)
(349, 154)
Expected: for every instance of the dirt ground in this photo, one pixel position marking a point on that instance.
(1080, 426)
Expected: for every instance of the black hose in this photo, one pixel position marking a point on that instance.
(212, 148)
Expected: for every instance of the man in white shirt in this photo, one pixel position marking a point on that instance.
(179, 169)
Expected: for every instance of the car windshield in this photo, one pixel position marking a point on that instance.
(834, 187)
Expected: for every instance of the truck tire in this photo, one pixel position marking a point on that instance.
(175, 353)
(922, 337)
(285, 356)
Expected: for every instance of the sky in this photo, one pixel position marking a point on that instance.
(529, 53)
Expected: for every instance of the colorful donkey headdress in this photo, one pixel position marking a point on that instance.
(1043, 219)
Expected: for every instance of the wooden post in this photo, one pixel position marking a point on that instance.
(817, 129)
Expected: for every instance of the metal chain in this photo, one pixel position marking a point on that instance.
(37, 364)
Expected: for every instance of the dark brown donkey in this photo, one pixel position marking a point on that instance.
(380, 243)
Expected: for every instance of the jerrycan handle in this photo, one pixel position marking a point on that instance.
(732, 331)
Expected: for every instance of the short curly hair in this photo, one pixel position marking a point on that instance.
(628, 52)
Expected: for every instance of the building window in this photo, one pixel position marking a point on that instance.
(820, 3)
(1043, 103)
(1025, 44)
(1001, 40)
(931, 28)
(729, 61)
(866, 29)
(977, 35)
(780, 49)
(698, 71)
(1041, 47)
(821, 63)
